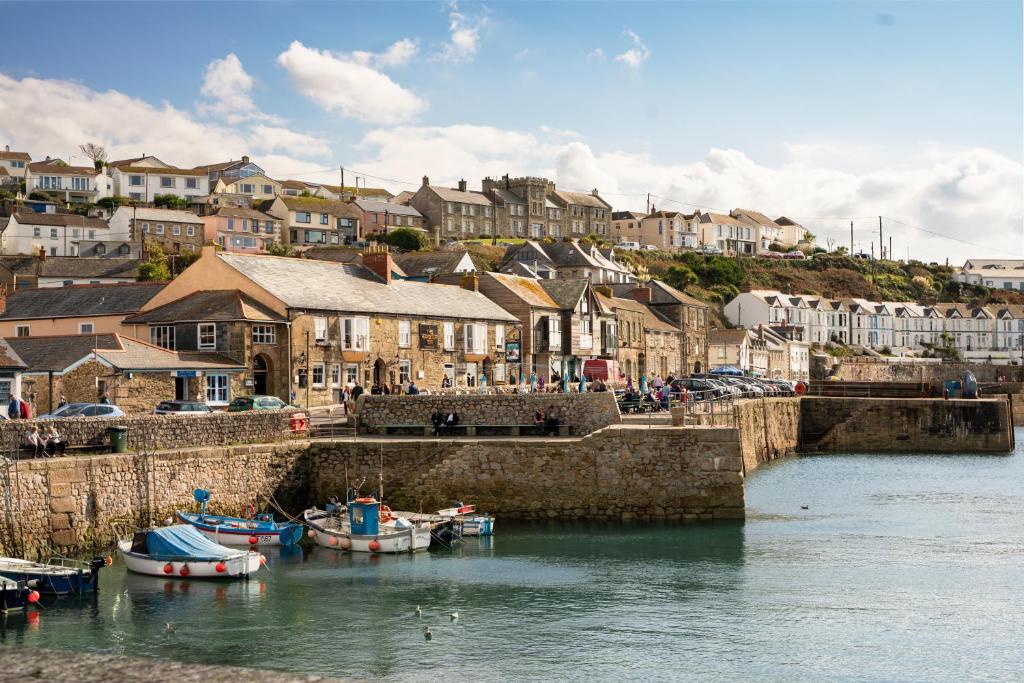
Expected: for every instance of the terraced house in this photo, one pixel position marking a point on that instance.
(304, 328)
(454, 213)
(314, 221)
(175, 231)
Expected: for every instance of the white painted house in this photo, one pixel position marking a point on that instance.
(51, 234)
(143, 178)
(73, 184)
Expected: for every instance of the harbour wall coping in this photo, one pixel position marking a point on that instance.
(161, 431)
(585, 413)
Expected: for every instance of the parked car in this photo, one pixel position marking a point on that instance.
(649, 247)
(628, 246)
(84, 410)
(241, 404)
(796, 255)
(699, 388)
(708, 249)
(181, 408)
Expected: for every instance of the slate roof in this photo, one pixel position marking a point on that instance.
(661, 293)
(240, 212)
(72, 267)
(140, 356)
(72, 220)
(319, 285)
(79, 300)
(166, 215)
(9, 358)
(19, 156)
(208, 305)
(722, 219)
(359, 192)
(428, 263)
(57, 169)
(727, 336)
(508, 196)
(219, 166)
(330, 206)
(783, 220)
(452, 195)
(380, 207)
(527, 289)
(54, 354)
(565, 293)
(162, 171)
(756, 216)
(582, 199)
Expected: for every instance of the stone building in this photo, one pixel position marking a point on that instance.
(380, 216)
(345, 323)
(626, 340)
(682, 311)
(569, 259)
(175, 231)
(581, 322)
(30, 272)
(454, 213)
(242, 229)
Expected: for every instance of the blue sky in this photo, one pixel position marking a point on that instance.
(856, 94)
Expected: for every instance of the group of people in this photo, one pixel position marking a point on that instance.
(444, 421)
(547, 421)
(18, 409)
(45, 442)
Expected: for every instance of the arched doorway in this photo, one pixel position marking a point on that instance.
(260, 375)
(380, 372)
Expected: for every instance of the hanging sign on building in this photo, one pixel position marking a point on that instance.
(428, 337)
(512, 352)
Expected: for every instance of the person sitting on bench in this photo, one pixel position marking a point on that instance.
(451, 421)
(35, 442)
(538, 420)
(54, 443)
(551, 422)
(437, 419)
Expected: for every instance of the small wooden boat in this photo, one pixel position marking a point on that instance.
(364, 526)
(15, 596)
(69, 577)
(182, 551)
(471, 522)
(255, 531)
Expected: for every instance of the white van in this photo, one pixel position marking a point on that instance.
(628, 246)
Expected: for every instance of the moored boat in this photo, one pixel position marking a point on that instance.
(182, 551)
(15, 596)
(364, 526)
(259, 530)
(471, 522)
(70, 577)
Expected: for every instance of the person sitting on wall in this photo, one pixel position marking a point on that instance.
(375, 390)
(446, 382)
(35, 442)
(538, 420)
(451, 421)
(551, 422)
(413, 390)
(437, 419)
(54, 444)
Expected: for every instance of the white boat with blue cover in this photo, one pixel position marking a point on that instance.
(182, 551)
(257, 530)
(69, 577)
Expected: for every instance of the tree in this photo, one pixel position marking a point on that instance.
(278, 249)
(169, 201)
(945, 349)
(680, 277)
(406, 239)
(809, 236)
(840, 250)
(111, 203)
(94, 152)
(156, 268)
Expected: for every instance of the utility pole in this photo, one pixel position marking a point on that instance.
(342, 192)
(881, 242)
(890, 247)
(648, 203)
(851, 238)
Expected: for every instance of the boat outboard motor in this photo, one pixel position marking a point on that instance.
(95, 565)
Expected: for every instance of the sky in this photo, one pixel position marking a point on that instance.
(825, 112)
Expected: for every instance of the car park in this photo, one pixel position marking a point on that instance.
(242, 404)
(182, 408)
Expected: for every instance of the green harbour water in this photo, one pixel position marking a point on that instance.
(902, 568)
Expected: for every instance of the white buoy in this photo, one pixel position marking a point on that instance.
(454, 615)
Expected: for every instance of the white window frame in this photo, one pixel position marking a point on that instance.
(355, 334)
(449, 336)
(404, 371)
(499, 336)
(218, 388)
(165, 333)
(199, 337)
(335, 374)
(320, 328)
(404, 334)
(475, 337)
(352, 373)
(18, 329)
(82, 328)
(264, 334)
(313, 373)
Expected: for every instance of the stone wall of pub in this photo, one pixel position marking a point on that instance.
(585, 412)
(864, 425)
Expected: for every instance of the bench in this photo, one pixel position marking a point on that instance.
(469, 430)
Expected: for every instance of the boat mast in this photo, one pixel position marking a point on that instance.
(381, 477)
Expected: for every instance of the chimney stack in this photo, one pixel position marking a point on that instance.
(377, 258)
(462, 185)
(3, 300)
(245, 159)
(642, 294)
(42, 253)
(7, 148)
(470, 281)
(426, 181)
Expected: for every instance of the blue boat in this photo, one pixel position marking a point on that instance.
(257, 530)
(15, 596)
(69, 577)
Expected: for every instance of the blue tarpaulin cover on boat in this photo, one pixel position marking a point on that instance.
(184, 541)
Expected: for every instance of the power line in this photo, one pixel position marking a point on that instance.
(949, 237)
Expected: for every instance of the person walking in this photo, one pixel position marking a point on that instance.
(14, 408)
(658, 382)
(357, 391)
(643, 383)
(583, 384)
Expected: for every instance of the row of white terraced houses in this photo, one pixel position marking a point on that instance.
(995, 331)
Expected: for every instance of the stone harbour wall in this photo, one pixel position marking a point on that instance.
(877, 370)
(162, 431)
(620, 472)
(585, 412)
(64, 505)
(866, 425)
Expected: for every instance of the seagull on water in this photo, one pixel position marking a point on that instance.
(426, 633)
(419, 612)
(169, 628)
(454, 616)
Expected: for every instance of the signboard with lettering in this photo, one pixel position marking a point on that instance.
(428, 337)
(512, 352)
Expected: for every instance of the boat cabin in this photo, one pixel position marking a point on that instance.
(364, 516)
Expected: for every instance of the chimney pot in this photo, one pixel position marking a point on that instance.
(642, 294)
(7, 148)
(245, 159)
(426, 181)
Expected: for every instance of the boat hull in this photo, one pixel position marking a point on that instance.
(266, 534)
(13, 596)
(478, 526)
(331, 532)
(50, 579)
(235, 566)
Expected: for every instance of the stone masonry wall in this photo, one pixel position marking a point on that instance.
(162, 431)
(864, 370)
(66, 505)
(584, 412)
(620, 472)
(863, 425)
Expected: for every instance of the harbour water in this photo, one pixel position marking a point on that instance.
(900, 568)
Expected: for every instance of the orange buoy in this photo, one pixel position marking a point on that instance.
(184, 570)
(333, 541)
(33, 597)
(168, 568)
(374, 546)
(220, 567)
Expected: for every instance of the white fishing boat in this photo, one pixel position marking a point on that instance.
(470, 521)
(364, 526)
(182, 551)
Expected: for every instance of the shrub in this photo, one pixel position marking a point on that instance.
(406, 239)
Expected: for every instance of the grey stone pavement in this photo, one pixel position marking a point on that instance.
(18, 664)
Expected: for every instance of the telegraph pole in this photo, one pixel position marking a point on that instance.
(342, 193)
(881, 242)
(851, 239)
(890, 248)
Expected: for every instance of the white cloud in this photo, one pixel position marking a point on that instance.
(973, 194)
(464, 36)
(341, 83)
(275, 138)
(595, 55)
(399, 54)
(52, 117)
(522, 54)
(636, 55)
(227, 87)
